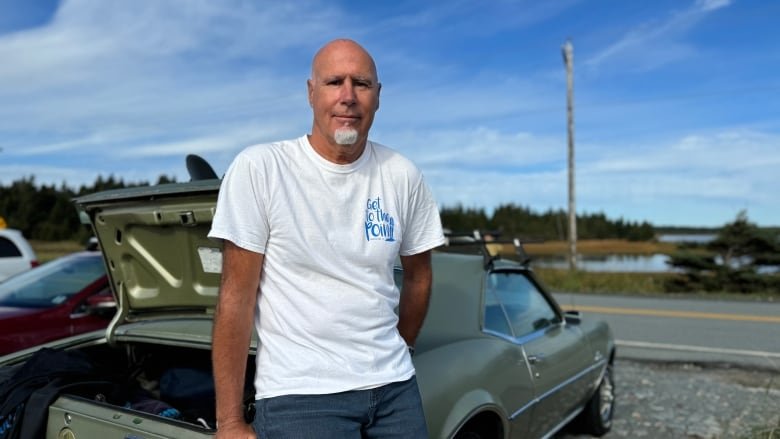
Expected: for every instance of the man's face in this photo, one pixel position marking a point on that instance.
(344, 95)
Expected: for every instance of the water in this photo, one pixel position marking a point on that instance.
(694, 238)
(655, 263)
(621, 263)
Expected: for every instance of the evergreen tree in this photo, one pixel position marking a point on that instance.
(742, 258)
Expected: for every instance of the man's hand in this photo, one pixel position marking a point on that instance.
(235, 430)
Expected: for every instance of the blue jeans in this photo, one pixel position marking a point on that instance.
(390, 411)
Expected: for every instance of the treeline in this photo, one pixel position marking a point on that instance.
(47, 213)
(512, 221)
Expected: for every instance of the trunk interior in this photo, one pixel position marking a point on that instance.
(153, 390)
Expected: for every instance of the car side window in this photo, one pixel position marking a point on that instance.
(8, 249)
(495, 316)
(525, 309)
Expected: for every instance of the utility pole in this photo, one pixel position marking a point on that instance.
(568, 60)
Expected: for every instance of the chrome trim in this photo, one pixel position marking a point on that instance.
(570, 380)
(524, 339)
(522, 409)
(565, 421)
(500, 335)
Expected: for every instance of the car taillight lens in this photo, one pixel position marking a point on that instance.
(34, 263)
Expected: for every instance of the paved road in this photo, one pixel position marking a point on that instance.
(674, 329)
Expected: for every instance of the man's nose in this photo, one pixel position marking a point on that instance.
(347, 93)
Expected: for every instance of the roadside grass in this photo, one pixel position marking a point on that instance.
(764, 432)
(559, 280)
(767, 432)
(632, 284)
(770, 431)
(579, 281)
(48, 250)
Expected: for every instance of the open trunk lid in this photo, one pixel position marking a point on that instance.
(157, 255)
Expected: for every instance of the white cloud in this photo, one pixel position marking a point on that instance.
(656, 42)
(715, 173)
(130, 88)
(710, 5)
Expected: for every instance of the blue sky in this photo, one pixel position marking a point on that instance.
(677, 101)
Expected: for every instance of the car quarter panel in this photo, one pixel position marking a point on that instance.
(462, 370)
(462, 379)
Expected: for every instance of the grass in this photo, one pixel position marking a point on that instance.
(628, 283)
(604, 283)
(764, 432)
(48, 250)
(555, 279)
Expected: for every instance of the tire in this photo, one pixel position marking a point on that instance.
(596, 417)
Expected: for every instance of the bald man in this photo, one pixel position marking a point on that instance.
(311, 229)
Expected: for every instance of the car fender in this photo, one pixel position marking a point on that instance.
(467, 407)
(452, 387)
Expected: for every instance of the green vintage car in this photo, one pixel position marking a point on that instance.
(497, 357)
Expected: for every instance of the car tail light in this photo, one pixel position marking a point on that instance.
(34, 263)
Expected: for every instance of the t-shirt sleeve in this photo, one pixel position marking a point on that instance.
(240, 215)
(423, 230)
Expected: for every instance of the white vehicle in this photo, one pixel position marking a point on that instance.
(16, 254)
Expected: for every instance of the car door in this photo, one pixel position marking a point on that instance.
(519, 397)
(556, 353)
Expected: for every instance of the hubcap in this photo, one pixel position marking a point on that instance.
(606, 397)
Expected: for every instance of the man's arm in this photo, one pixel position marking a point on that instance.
(233, 323)
(415, 295)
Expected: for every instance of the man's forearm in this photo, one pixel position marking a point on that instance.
(229, 358)
(415, 295)
(232, 331)
(412, 311)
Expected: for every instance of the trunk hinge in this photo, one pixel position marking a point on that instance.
(121, 314)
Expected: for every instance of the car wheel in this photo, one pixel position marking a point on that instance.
(596, 417)
(468, 435)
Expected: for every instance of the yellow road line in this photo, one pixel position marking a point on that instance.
(671, 313)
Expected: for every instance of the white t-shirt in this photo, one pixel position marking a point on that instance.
(330, 234)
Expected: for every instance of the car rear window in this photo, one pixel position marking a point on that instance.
(8, 249)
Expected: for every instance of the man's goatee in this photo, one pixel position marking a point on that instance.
(346, 136)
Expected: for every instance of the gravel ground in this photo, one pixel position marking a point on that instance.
(683, 400)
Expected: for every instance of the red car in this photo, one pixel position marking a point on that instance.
(66, 296)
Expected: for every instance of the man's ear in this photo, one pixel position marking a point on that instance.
(378, 92)
(310, 91)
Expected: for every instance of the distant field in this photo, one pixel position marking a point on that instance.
(48, 250)
(600, 247)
